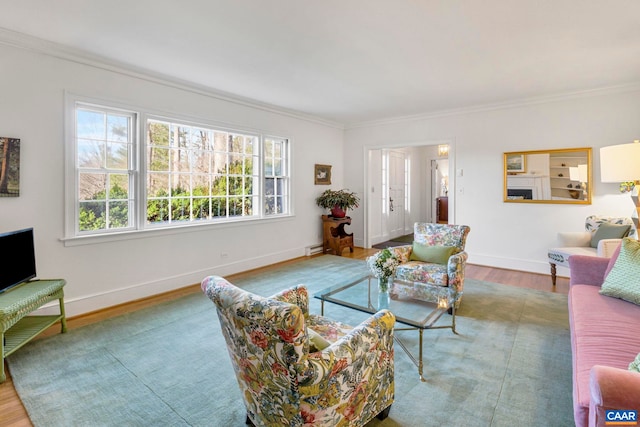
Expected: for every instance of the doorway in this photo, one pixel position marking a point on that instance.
(440, 190)
(402, 189)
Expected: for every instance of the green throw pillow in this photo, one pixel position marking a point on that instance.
(609, 231)
(623, 281)
(316, 342)
(635, 365)
(434, 254)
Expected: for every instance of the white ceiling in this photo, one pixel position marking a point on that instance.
(353, 61)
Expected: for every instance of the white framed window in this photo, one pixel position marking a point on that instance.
(104, 142)
(130, 170)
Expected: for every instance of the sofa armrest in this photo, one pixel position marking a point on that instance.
(612, 388)
(375, 334)
(297, 295)
(587, 270)
(606, 247)
(572, 239)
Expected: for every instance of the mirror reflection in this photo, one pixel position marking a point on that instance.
(548, 176)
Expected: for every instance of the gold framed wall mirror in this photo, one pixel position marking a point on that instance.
(548, 176)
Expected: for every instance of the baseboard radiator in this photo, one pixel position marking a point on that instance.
(312, 250)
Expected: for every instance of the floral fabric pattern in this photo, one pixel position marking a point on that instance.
(424, 281)
(282, 384)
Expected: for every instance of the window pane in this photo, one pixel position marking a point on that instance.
(117, 156)
(157, 210)
(219, 187)
(92, 186)
(179, 160)
(90, 124)
(180, 209)
(181, 185)
(268, 167)
(92, 216)
(236, 144)
(269, 205)
(219, 206)
(117, 128)
(178, 136)
(201, 208)
(118, 186)
(157, 185)
(91, 154)
(201, 185)
(119, 214)
(250, 145)
(158, 134)
(220, 142)
(235, 186)
(268, 186)
(277, 167)
(200, 140)
(201, 161)
(158, 159)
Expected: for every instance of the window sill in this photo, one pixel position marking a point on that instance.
(91, 239)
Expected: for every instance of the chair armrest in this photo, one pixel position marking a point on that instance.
(587, 270)
(573, 239)
(606, 247)
(297, 295)
(455, 270)
(345, 356)
(612, 388)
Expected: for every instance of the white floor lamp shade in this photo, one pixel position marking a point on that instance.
(621, 163)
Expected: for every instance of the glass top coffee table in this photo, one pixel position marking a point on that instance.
(362, 294)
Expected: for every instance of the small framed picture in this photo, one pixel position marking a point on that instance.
(514, 163)
(322, 174)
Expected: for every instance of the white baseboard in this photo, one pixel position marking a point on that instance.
(531, 266)
(93, 302)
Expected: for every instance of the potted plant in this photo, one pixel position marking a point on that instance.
(338, 201)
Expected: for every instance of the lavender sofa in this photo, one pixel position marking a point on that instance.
(605, 338)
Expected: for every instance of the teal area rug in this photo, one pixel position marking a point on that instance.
(168, 365)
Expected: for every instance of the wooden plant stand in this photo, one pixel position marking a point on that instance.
(335, 239)
(16, 327)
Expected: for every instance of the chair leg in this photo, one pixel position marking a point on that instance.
(249, 422)
(384, 413)
(553, 274)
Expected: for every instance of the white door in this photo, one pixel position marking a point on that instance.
(397, 190)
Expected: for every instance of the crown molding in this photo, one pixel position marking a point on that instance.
(56, 50)
(588, 93)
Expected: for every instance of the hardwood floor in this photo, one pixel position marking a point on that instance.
(12, 412)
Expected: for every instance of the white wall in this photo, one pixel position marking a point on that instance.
(510, 235)
(99, 275)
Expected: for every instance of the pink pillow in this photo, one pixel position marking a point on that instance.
(612, 260)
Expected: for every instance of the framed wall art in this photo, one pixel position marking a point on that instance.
(322, 174)
(9, 167)
(514, 163)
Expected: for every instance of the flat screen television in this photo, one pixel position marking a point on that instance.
(17, 258)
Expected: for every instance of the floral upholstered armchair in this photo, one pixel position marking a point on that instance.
(433, 265)
(283, 379)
